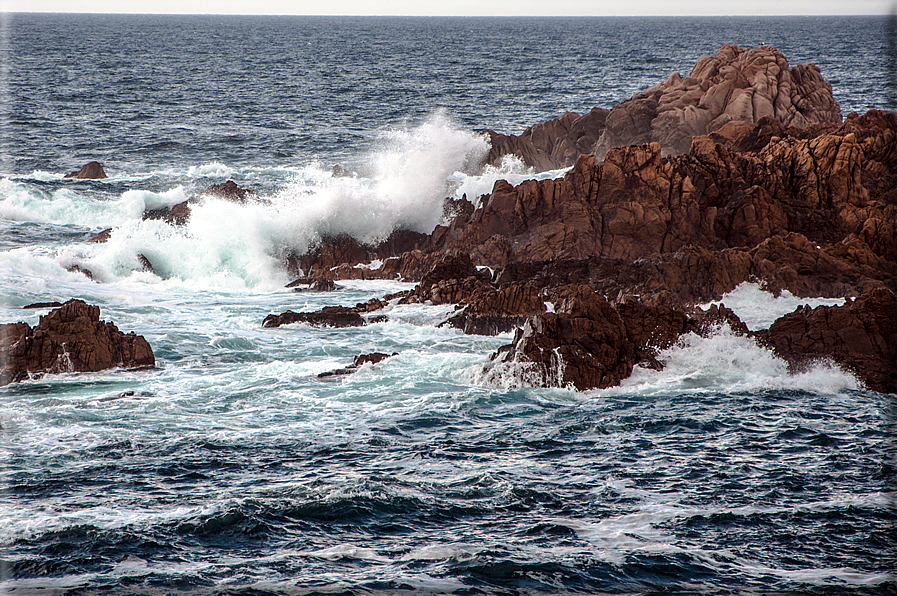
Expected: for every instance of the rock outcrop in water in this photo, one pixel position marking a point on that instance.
(742, 171)
(71, 338)
(860, 335)
(810, 211)
(90, 171)
(330, 316)
(589, 342)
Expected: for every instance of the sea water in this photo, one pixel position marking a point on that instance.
(233, 469)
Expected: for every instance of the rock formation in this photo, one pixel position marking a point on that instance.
(860, 335)
(90, 171)
(330, 316)
(359, 361)
(552, 144)
(737, 85)
(589, 343)
(71, 338)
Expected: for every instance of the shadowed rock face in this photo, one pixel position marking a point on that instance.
(861, 335)
(71, 338)
(552, 144)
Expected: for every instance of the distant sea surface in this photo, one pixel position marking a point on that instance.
(233, 469)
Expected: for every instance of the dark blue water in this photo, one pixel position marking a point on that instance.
(233, 469)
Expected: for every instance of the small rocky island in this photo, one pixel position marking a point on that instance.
(71, 338)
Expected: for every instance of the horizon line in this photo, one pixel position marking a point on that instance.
(459, 16)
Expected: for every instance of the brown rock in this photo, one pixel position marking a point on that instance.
(102, 237)
(53, 304)
(329, 316)
(738, 84)
(860, 335)
(228, 190)
(71, 338)
(590, 343)
(552, 144)
(451, 281)
(360, 361)
(90, 171)
(490, 312)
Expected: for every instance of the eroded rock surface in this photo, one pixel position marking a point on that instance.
(590, 342)
(737, 84)
(71, 338)
(860, 335)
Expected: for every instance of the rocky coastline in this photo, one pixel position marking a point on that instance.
(742, 171)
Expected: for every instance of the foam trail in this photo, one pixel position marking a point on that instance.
(24, 202)
(759, 309)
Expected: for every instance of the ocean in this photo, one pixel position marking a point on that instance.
(233, 469)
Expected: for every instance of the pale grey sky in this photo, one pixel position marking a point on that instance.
(459, 7)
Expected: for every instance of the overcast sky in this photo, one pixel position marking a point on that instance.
(460, 7)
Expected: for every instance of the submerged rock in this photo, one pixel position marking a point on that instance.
(71, 338)
(359, 361)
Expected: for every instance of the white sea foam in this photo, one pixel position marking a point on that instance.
(729, 362)
(759, 309)
(402, 184)
(511, 169)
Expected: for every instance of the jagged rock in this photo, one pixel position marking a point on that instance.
(228, 190)
(860, 335)
(552, 144)
(308, 284)
(179, 214)
(490, 312)
(78, 269)
(90, 171)
(360, 361)
(53, 304)
(329, 316)
(337, 256)
(176, 215)
(590, 343)
(145, 264)
(738, 84)
(835, 191)
(451, 281)
(71, 338)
